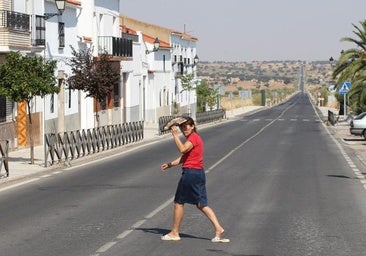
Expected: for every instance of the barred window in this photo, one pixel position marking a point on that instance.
(164, 63)
(103, 104)
(52, 103)
(40, 30)
(116, 95)
(61, 34)
(2, 108)
(69, 101)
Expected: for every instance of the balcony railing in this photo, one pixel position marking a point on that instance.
(14, 20)
(115, 46)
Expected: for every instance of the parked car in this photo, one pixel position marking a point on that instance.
(358, 125)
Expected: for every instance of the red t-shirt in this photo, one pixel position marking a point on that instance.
(194, 158)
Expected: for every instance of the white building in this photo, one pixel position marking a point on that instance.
(158, 75)
(149, 85)
(184, 55)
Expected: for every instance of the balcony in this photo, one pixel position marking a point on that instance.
(14, 30)
(115, 46)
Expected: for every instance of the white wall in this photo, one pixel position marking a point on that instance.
(187, 49)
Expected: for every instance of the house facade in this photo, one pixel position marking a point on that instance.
(149, 86)
(159, 75)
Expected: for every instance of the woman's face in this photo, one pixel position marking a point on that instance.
(186, 129)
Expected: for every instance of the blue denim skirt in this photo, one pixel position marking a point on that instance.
(192, 187)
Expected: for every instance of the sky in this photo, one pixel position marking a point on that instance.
(257, 30)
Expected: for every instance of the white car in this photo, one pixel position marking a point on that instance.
(358, 125)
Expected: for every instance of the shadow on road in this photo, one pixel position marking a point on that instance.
(346, 139)
(161, 231)
(340, 176)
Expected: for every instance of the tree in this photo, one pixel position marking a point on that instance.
(187, 82)
(95, 76)
(24, 77)
(351, 66)
(205, 96)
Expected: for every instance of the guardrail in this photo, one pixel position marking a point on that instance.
(4, 159)
(210, 116)
(70, 145)
(201, 118)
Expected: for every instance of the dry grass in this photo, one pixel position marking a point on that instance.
(228, 104)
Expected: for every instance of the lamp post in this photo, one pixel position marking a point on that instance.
(156, 46)
(60, 4)
(196, 60)
(331, 61)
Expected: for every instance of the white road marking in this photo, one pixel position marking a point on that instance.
(344, 154)
(106, 247)
(125, 233)
(161, 207)
(18, 184)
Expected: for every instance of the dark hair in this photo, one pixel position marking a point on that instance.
(190, 122)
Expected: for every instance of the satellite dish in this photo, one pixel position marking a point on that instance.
(332, 89)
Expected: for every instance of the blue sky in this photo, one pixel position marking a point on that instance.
(263, 30)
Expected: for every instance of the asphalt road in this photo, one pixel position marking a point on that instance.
(277, 180)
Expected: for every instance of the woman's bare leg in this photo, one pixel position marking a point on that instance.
(177, 219)
(219, 230)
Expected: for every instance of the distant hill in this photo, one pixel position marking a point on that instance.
(264, 74)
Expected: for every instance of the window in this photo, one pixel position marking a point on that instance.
(69, 101)
(40, 30)
(116, 95)
(103, 104)
(52, 103)
(160, 98)
(164, 62)
(167, 98)
(61, 34)
(2, 108)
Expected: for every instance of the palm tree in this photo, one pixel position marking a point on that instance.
(352, 67)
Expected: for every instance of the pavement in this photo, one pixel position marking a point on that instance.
(20, 167)
(340, 131)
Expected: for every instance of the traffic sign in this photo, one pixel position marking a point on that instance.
(345, 87)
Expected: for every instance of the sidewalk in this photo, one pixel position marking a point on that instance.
(19, 160)
(340, 131)
(20, 167)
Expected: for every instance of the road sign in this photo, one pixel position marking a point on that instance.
(345, 87)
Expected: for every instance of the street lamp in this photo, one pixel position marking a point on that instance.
(156, 46)
(60, 4)
(196, 60)
(331, 61)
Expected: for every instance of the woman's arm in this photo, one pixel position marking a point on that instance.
(171, 164)
(183, 148)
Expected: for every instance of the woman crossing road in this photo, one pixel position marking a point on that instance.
(192, 184)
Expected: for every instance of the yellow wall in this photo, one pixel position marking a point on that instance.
(146, 28)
